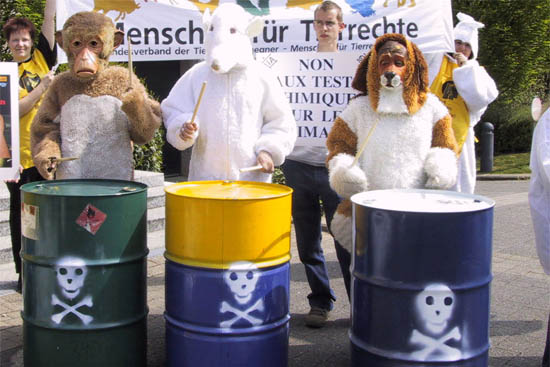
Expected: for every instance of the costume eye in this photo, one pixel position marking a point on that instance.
(232, 30)
(399, 63)
(76, 43)
(94, 43)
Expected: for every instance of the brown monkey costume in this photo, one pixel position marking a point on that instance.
(90, 111)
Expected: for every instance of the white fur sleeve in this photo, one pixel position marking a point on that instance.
(475, 86)
(278, 133)
(344, 178)
(441, 168)
(178, 107)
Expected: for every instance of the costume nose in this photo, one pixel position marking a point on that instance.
(389, 75)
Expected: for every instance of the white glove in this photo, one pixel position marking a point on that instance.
(345, 179)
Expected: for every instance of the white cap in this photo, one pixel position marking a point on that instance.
(466, 31)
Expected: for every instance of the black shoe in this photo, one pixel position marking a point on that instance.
(19, 285)
(317, 317)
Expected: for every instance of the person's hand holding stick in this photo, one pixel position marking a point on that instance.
(189, 128)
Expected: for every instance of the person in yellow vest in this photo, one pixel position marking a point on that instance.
(466, 89)
(35, 75)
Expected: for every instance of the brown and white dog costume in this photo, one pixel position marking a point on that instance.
(412, 145)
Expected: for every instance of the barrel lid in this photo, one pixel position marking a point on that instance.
(422, 201)
(84, 187)
(228, 190)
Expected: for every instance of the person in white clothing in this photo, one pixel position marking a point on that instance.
(466, 89)
(539, 189)
(539, 200)
(244, 119)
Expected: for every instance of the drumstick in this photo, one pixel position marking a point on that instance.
(130, 61)
(249, 169)
(364, 145)
(198, 102)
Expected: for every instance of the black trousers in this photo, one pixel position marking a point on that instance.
(28, 175)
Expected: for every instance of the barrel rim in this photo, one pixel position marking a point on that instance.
(490, 203)
(140, 187)
(224, 265)
(170, 190)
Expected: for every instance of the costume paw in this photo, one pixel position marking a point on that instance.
(344, 178)
(132, 101)
(441, 168)
(341, 228)
(43, 165)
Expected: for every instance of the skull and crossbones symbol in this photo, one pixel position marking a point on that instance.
(71, 273)
(435, 306)
(241, 278)
(86, 301)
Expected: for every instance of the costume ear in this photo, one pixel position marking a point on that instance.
(420, 69)
(360, 79)
(255, 27)
(59, 38)
(206, 19)
(119, 37)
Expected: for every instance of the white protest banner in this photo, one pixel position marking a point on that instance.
(9, 121)
(172, 29)
(317, 86)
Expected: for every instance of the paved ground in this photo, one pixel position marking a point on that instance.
(520, 297)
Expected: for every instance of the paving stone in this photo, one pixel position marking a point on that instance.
(520, 297)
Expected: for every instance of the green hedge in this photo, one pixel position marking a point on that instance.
(148, 157)
(513, 129)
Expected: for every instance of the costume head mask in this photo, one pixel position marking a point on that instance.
(466, 31)
(88, 39)
(227, 37)
(393, 63)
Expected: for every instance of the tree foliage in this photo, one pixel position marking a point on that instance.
(514, 45)
(515, 49)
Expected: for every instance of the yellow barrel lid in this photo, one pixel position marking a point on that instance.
(228, 190)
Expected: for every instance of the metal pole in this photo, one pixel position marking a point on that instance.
(487, 147)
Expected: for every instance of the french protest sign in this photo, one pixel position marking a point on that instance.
(317, 86)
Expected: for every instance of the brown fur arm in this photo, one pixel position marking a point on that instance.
(341, 139)
(441, 162)
(443, 135)
(344, 177)
(45, 133)
(143, 113)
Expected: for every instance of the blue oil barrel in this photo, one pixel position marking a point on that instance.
(234, 317)
(227, 274)
(84, 248)
(421, 279)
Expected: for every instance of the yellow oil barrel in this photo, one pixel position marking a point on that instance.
(212, 224)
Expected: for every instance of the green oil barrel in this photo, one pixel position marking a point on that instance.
(84, 248)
